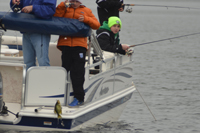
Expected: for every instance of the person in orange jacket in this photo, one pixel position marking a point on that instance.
(74, 48)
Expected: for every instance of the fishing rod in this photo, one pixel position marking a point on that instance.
(129, 10)
(15, 10)
(160, 6)
(164, 39)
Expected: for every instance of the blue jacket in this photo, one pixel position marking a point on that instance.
(41, 8)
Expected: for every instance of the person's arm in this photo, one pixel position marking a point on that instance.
(91, 20)
(60, 10)
(46, 10)
(105, 44)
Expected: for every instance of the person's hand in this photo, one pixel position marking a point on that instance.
(81, 18)
(121, 9)
(125, 46)
(66, 2)
(27, 9)
(16, 1)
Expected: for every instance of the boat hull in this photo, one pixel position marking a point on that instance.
(102, 115)
(30, 96)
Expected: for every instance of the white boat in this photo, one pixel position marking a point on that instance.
(28, 98)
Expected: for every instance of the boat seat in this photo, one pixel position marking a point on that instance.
(45, 85)
(107, 65)
(4, 47)
(12, 52)
(11, 40)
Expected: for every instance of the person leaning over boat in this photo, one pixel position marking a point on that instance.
(74, 48)
(108, 8)
(35, 44)
(108, 36)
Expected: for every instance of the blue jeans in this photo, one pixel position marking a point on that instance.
(35, 45)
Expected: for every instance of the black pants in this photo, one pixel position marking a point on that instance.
(104, 15)
(73, 60)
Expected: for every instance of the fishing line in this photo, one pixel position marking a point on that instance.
(2, 25)
(9, 11)
(164, 39)
(145, 103)
(160, 6)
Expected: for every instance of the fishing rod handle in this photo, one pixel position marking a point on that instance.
(132, 45)
(128, 4)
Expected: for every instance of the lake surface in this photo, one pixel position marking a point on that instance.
(166, 73)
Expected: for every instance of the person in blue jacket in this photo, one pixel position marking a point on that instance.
(35, 44)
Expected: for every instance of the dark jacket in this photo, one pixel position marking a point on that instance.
(108, 8)
(109, 41)
(41, 8)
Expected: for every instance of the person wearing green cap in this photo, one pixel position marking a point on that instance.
(108, 36)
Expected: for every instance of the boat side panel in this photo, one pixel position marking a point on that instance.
(88, 116)
(12, 83)
(45, 122)
(99, 87)
(107, 83)
(1, 93)
(75, 123)
(123, 77)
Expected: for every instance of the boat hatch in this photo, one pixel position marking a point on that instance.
(45, 85)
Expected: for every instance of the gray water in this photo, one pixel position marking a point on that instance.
(166, 73)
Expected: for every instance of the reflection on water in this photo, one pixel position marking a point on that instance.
(120, 126)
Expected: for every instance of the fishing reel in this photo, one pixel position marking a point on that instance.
(4, 110)
(129, 10)
(67, 4)
(16, 9)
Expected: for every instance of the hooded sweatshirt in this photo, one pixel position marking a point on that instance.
(109, 41)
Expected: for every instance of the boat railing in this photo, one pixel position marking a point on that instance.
(1, 34)
(107, 60)
(1, 93)
(95, 44)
